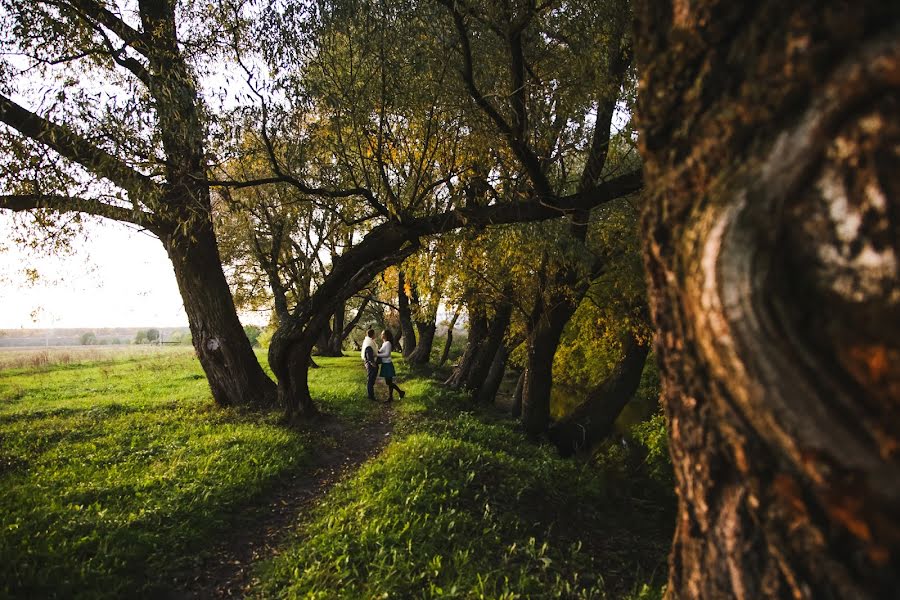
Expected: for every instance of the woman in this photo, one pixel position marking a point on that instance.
(387, 367)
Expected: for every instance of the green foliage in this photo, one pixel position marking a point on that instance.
(265, 336)
(653, 436)
(140, 337)
(88, 339)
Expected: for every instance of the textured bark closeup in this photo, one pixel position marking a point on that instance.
(771, 142)
(593, 419)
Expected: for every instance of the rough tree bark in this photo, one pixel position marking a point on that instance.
(234, 374)
(772, 152)
(593, 419)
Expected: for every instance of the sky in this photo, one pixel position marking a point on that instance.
(117, 277)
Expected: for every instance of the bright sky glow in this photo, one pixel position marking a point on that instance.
(117, 277)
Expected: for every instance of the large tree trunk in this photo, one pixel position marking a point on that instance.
(407, 330)
(484, 358)
(331, 340)
(422, 354)
(770, 137)
(478, 332)
(542, 343)
(593, 419)
(234, 374)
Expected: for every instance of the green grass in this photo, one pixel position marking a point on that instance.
(116, 475)
(119, 476)
(460, 506)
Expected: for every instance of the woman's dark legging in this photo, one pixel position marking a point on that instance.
(393, 386)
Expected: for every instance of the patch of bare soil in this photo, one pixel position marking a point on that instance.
(226, 572)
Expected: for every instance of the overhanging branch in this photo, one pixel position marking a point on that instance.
(75, 148)
(61, 203)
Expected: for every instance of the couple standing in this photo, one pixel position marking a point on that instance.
(371, 358)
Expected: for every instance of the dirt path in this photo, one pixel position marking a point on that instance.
(227, 573)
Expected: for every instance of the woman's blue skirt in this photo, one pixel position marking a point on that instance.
(387, 370)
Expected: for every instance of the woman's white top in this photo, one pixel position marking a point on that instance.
(385, 353)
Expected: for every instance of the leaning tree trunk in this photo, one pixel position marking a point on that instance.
(516, 409)
(234, 374)
(593, 419)
(770, 137)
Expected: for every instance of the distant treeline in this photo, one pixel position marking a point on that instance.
(20, 338)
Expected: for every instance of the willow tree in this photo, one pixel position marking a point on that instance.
(398, 134)
(117, 129)
(770, 135)
(558, 75)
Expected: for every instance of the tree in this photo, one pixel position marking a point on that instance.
(138, 155)
(152, 336)
(770, 134)
(88, 339)
(524, 39)
(398, 136)
(140, 337)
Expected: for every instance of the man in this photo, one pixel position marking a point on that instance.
(368, 355)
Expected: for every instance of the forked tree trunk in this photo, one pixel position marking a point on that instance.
(542, 343)
(484, 358)
(770, 137)
(478, 332)
(234, 374)
(593, 419)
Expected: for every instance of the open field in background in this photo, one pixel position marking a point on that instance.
(53, 356)
(118, 477)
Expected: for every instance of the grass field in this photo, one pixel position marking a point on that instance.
(118, 475)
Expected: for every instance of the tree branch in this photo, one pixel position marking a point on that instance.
(520, 148)
(100, 14)
(61, 203)
(77, 149)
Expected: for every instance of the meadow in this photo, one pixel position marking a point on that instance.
(118, 477)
